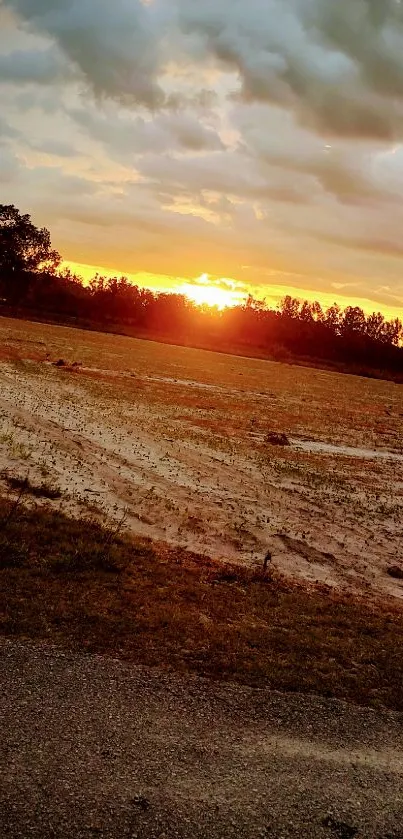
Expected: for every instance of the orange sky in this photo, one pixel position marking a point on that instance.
(257, 143)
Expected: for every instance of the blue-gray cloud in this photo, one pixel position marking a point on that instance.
(338, 66)
(112, 43)
(44, 66)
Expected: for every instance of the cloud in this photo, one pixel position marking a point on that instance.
(114, 44)
(125, 134)
(387, 246)
(7, 130)
(46, 100)
(9, 167)
(337, 65)
(54, 148)
(33, 66)
(223, 173)
(354, 173)
(192, 134)
(222, 283)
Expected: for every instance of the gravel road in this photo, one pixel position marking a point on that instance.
(93, 747)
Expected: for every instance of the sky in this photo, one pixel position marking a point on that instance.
(217, 147)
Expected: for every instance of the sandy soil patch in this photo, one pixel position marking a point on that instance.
(174, 440)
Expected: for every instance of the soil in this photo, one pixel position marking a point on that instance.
(173, 443)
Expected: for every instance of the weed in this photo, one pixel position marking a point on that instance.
(84, 559)
(20, 451)
(11, 508)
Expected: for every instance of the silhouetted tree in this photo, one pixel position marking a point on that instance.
(375, 326)
(392, 332)
(24, 251)
(353, 320)
(306, 313)
(289, 306)
(317, 312)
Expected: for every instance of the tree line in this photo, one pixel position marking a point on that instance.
(32, 283)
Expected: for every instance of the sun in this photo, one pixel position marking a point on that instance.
(203, 292)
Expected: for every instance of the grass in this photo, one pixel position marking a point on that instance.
(84, 587)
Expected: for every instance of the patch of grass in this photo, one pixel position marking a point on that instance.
(20, 451)
(12, 555)
(24, 485)
(73, 584)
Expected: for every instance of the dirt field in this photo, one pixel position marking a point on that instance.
(176, 441)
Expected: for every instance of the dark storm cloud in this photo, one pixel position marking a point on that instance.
(113, 44)
(337, 65)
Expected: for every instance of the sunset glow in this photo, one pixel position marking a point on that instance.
(221, 293)
(206, 293)
(164, 162)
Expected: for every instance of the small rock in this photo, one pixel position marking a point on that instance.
(141, 801)
(341, 829)
(276, 438)
(395, 571)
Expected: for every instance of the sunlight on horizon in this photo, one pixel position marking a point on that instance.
(205, 292)
(223, 293)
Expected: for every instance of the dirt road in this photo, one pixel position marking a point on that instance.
(93, 747)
